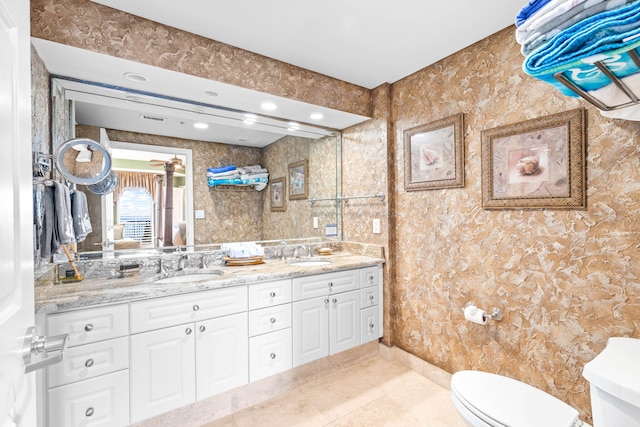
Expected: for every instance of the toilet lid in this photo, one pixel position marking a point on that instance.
(503, 401)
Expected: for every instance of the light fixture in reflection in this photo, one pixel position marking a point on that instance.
(268, 106)
(135, 77)
(200, 125)
(316, 116)
(210, 93)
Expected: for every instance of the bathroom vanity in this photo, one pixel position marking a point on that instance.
(140, 349)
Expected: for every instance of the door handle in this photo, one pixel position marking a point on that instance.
(34, 345)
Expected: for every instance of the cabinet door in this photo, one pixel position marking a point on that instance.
(310, 330)
(222, 360)
(344, 321)
(270, 354)
(162, 371)
(369, 327)
(101, 401)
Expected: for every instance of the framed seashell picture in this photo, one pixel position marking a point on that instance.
(434, 155)
(536, 164)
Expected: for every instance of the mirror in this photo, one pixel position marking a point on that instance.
(83, 161)
(223, 213)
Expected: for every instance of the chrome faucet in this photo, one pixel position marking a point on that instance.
(181, 261)
(203, 260)
(281, 253)
(295, 251)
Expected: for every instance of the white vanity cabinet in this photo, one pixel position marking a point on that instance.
(370, 304)
(326, 315)
(269, 328)
(90, 386)
(175, 363)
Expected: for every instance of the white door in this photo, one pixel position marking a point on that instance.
(344, 321)
(17, 390)
(162, 370)
(222, 355)
(310, 330)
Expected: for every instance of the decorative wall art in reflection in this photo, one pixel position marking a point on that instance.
(434, 155)
(537, 164)
(278, 197)
(298, 180)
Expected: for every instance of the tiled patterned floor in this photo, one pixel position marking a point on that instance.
(372, 393)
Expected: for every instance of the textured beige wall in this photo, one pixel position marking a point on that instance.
(88, 25)
(566, 280)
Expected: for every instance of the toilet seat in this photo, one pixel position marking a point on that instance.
(502, 402)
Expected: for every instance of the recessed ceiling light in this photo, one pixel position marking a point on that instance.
(250, 116)
(292, 129)
(294, 125)
(268, 106)
(200, 125)
(210, 93)
(249, 121)
(316, 116)
(135, 77)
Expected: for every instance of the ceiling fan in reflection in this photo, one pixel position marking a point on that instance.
(176, 161)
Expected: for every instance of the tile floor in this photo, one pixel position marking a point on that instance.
(374, 392)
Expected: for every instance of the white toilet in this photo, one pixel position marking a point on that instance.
(490, 400)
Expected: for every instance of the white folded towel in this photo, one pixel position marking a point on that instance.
(611, 95)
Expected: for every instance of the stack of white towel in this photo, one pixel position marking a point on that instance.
(254, 175)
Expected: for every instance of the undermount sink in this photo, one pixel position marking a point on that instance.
(185, 276)
(309, 261)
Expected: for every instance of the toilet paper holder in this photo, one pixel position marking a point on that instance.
(495, 314)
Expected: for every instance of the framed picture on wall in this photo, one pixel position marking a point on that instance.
(434, 155)
(298, 180)
(277, 195)
(537, 164)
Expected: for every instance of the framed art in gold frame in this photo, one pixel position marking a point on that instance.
(299, 180)
(536, 164)
(277, 195)
(434, 155)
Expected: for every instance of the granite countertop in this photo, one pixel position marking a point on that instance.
(92, 292)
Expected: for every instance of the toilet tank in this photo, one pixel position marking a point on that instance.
(614, 376)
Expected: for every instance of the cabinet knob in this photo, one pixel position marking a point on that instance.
(326, 300)
(202, 328)
(331, 284)
(89, 412)
(88, 363)
(272, 294)
(371, 297)
(88, 327)
(335, 300)
(273, 320)
(196, 307)
(371, 326)
(370, 277)
(273, 355)
(188, 331)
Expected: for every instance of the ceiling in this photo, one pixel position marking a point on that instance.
(357, 41)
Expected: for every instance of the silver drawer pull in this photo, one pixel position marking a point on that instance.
(272, 294)
(273, 355)
(371, 297)
(188, 331)
(88, 327)
(196, 307)
(326, 300)
(88, 363)
(202, 328)
(89, 412)
(370, 277)
(335, 300)
(331, 284)
(371, 326)
(273, 320)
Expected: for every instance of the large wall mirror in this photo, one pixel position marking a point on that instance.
(145, 129)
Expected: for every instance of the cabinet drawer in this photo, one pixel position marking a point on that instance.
(269, 294)
(369, 324)
(370, 276)
(101, 401)
(325, 284)
(269, 354)
(175, 310)
(369, 296)
(91, 325)
(89, 361)
(269, 319)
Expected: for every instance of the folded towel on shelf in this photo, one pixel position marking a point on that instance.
(221, 169)
(215, 182)
(555, 9)
(252, 169)
(224, 175)
(63, 222)
(531, 40)
(529, 9)
(606, 36)
(612, 96)
(80, 214)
